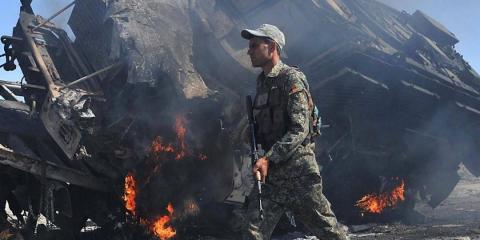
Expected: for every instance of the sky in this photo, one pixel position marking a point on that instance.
(460, 16)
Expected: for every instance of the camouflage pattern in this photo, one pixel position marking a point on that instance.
(304, 198)
(282, 114)
(293, 183)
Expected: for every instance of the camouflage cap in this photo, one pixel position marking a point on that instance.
(268, 31)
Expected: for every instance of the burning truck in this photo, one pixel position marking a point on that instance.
(140, 118)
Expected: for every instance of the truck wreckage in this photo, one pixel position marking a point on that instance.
(140, 118)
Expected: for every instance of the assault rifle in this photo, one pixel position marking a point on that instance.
(254, 151)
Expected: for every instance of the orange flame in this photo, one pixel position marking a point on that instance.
(130, 193)
(158, 147)
(181, 130)
(376, 203)
(159, 226)
(170, 208)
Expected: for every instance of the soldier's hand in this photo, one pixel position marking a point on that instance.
(261, 166)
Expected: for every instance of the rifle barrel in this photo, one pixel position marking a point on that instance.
(254, 152)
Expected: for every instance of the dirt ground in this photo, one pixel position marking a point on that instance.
(457, 218)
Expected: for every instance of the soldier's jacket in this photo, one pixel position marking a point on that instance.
(282, 114)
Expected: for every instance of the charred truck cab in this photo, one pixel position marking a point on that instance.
(41, 136)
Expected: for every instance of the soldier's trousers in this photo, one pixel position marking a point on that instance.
(304, 199)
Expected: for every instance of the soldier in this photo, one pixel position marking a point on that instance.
(283, 112)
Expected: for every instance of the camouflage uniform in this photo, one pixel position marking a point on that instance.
(293, 183)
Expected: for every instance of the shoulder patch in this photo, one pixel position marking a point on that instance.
(296, 86)
(295, 80)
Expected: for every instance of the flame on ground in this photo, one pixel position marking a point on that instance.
(130, 193)
(376, 203)
(160, 226)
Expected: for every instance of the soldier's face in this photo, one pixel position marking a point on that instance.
(259, 51)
